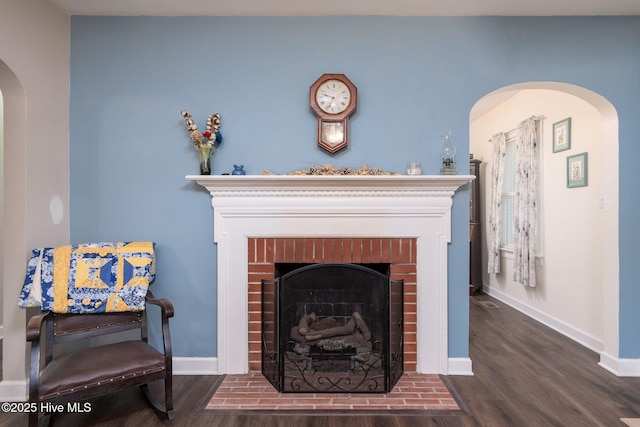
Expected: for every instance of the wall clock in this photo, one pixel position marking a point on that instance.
(333, 98)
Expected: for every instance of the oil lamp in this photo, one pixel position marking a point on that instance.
(448, 155)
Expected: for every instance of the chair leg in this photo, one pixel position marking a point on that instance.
(168, 395)
(33, 419)
(167, 409)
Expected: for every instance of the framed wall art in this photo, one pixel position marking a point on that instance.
(562, 135)
(577, 171)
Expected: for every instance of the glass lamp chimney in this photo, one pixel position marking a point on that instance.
(448, 154)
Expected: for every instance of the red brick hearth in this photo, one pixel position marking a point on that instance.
(414, 392)
(264, 253)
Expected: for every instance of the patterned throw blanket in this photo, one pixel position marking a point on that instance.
(89, 277)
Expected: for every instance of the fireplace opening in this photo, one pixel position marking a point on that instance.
(332, 328)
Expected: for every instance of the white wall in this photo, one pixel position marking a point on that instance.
(34, 79)
(570, 276)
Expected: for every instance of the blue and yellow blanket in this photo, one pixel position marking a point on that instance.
(89, 277)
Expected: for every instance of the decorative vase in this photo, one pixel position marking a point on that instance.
(238, 170)
(205, 159)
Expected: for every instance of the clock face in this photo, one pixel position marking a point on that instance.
(333, 96)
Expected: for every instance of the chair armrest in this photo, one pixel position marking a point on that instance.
(35, 325)
(166, 309)
(165, 305)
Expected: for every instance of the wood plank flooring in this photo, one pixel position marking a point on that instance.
(525, 375)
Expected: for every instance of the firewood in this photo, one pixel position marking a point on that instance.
(353, 340)
(314, 336)
(296, 336)
(324, 323)
(362, 325)
(332, 332)
(303, 326)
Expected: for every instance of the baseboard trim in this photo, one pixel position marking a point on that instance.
(557, 325)
(620, 367)
(195, 366)
(459, 366)
(13, 391)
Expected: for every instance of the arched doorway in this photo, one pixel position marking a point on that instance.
(13, 245)
(606, 300)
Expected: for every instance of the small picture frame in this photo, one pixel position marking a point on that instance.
(562, 135)
(577, 170)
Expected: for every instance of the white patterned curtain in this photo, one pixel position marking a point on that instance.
(495, 213)
(525, 209)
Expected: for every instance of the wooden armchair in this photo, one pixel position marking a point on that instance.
(95, 371)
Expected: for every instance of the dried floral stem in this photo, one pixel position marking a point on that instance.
(206, 139)
(330, 170)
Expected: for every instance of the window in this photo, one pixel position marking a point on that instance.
(509, 191)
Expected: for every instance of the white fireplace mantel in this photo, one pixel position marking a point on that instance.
(353, 185)
(396, 206)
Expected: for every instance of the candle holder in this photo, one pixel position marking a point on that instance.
(414, 168)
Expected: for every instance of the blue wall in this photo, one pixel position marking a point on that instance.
(416, 77)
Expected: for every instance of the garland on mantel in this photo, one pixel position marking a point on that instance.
(330, 170)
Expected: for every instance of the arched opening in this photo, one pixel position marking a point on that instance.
(589, 215)
(13, 245)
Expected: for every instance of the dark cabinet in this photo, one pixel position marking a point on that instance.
(475, 230)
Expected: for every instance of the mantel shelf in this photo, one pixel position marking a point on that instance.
(436, 184)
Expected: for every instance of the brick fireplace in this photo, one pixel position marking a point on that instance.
(265, 253)
(401, 220)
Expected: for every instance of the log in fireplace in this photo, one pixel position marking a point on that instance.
(332, 328)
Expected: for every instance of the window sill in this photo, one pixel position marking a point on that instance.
(507, 253)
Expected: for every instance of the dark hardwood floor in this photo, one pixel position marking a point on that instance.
(525, 375)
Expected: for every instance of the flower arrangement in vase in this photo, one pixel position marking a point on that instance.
(205, 142)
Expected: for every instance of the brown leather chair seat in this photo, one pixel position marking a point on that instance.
(94, 366)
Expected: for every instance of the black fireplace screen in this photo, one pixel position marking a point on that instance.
(332, 328)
